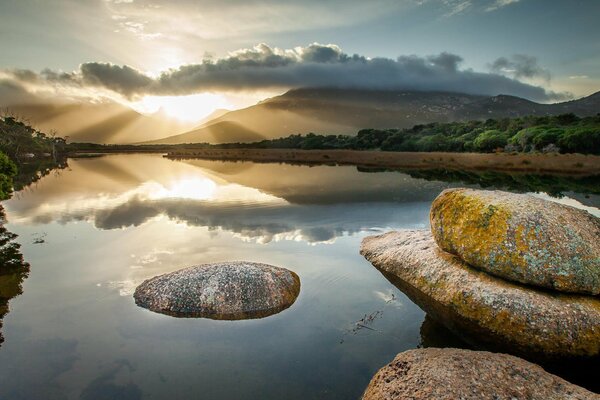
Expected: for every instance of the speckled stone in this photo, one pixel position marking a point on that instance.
(474, 304)
(451, 374)
(521, 238)
(230, 291)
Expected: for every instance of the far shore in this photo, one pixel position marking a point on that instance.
(557, 164)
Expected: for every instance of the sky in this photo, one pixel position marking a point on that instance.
(202, 55)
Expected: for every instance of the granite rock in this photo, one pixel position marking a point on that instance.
(520, 237)
(472, 303)
(450, 374)
(230, 291)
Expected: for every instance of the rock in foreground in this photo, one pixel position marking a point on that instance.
(474, 304)
(232, 290)
(464, 374)
(520, 237)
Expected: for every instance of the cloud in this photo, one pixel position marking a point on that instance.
(122, 79)
(456, 7)
(520, 66)
(316, 65)
(499, 4)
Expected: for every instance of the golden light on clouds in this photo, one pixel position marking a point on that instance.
(184, 108)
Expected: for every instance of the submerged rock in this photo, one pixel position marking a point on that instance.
(464, 374)
(474, 304)
(520, 237)
(231, 290)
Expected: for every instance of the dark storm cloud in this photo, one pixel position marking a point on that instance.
(124, 80)
(520, 66)
(313, 66)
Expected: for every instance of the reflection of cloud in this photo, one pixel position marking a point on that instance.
(106, 387)
(255, 202)
(313, 224)
(262, 223)
(37, 375)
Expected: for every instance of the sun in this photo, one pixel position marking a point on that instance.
(189, 108)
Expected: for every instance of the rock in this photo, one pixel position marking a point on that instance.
(464, 374)
(520, 237)
(484, 309)
(231, 290)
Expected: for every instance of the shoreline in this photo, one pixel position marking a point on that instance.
(556, 164)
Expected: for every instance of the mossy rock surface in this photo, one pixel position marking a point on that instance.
(521, 238)
(517, 317)
(230, 291)
(450, 374)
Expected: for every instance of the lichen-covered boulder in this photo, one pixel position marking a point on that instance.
(230, 290)
(520, 237)
(440, 374)
(481, 308)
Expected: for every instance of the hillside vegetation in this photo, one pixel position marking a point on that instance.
(566, 133)
(26, 154)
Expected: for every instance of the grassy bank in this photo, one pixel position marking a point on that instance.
(568, 164)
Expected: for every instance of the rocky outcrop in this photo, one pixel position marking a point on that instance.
(473, 303)
(439, 374)
(520, 238)
(232, 290)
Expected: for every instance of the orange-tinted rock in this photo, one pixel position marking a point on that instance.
(450, 374)
(470, 302)
(520, 237)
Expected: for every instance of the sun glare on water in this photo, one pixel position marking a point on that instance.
(184, 108)
(196, 189)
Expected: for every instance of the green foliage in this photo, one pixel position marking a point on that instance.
(8, 170)
(18, 140)
(490, 140)
(567, 133)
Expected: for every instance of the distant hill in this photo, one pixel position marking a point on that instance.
(218, 132)
(104, 122)
(345, 111)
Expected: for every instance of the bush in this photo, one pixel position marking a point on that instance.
(8, 170)
(491, 140)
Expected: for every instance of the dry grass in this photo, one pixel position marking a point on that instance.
(540, 163)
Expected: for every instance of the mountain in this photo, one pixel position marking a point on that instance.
(103, 122)
(213, 115)
(345, 111)
(218, 132)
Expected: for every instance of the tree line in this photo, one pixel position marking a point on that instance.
(566, 133)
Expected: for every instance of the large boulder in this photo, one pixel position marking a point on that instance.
(483, 309)
(439, 374)
(231, 290)
(520, 237)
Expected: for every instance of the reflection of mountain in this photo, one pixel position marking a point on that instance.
(262, 202)
(345, 111)
(553, 185)
(323, 184)
(257, 201)
(13, 269)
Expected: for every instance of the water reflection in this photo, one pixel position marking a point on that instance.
(256, 202)
(109, 223)
(13, 269)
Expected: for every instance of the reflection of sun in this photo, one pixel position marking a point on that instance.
(185, 108)
(197, 189)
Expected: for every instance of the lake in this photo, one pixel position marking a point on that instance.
(96, 230)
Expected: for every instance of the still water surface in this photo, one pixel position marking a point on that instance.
(95, 231)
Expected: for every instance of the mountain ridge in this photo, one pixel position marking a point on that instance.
(345, 111)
